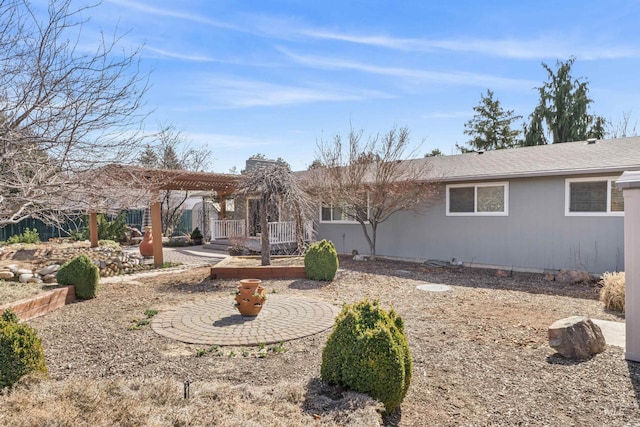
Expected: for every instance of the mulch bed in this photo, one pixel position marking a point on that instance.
(480, 351)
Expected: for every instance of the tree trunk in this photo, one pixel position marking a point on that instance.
(265, 247)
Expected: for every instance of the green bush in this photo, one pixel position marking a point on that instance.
(115, 230)
(83, 274)
(321, 261)
(20, 350)
(29, 236)
(196, 234)
(368, 352)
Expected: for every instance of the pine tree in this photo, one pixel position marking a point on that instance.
(490, 128)
(563, 107)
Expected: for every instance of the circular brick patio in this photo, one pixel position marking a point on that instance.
(216, 321)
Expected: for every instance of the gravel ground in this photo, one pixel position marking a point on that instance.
(480, 351)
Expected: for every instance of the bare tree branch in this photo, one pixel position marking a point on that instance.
(370, 181)
(64, 111)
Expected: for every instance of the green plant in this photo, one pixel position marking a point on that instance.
(612, 293)
(115, 229)
(196, 234)
(83, 274)
(150, 313)
(368, 352)
(321, 261)
(262, 345)
(20, 350)
(28, 236)
(278, 348)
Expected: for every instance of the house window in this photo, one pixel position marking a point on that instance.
(491, 199)
(593, 197)
(340, 213)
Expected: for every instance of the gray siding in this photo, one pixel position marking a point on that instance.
(536, 234)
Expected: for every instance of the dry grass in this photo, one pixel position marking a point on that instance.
(612, 293)
(480, 353)
(161, 402)
(14, 291)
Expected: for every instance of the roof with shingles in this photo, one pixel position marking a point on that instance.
(569, 158)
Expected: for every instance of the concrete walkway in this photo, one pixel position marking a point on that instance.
(614, 332)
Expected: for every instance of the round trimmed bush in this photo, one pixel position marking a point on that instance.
(83, 274)
(368, 352)
(321, 261)
(20, 350)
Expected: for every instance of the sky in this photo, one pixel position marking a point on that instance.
(276, 77)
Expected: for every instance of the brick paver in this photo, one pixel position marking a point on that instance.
(216, 321)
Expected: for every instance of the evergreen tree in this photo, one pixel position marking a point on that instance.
(563, 107)
(490, 128)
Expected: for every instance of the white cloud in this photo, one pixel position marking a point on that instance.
(543, 47)
(230, 92)
(172, 13)
(424, 76)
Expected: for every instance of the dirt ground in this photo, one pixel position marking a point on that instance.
(480, 351)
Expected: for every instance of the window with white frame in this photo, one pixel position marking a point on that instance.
(341, 213)
(488, 199)
(593, 197)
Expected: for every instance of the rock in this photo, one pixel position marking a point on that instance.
(49, 269)
(34, 280)
(576, 337)
(501, 273)
(24, 271)
(24, 277)
(549, 277)
(12, 268)
(134, 232)
(573, 276)
(358, 258)
(49, 278)
(6, 274)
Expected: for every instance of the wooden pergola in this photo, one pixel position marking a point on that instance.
(155, 180)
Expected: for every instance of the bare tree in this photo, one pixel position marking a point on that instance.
(64, 110)
(277, 188)
(621, 128)
(370, 181)
(171, 152)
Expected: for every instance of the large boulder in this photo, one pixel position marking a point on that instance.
(573, 276)
(576, 337)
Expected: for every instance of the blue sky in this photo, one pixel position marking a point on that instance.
(273, 77)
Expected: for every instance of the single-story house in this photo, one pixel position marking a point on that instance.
(547, 207)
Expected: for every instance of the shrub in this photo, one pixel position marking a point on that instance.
(196, 234)
(81, 272)
(612, 292)
(115, 229)
(29, 236)
(20, 350)
(321, 261)
(368, 352)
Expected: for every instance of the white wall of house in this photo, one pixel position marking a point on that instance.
(536, 234)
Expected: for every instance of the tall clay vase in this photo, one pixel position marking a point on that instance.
(146, 246)
(250, 297)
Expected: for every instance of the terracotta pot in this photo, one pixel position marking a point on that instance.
(250, 297)
(146, 246)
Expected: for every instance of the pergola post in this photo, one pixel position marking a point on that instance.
(630, 183)
(223, 206)
(156, 232)
(93, 228)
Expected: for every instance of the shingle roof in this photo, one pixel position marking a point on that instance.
(569, 158)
